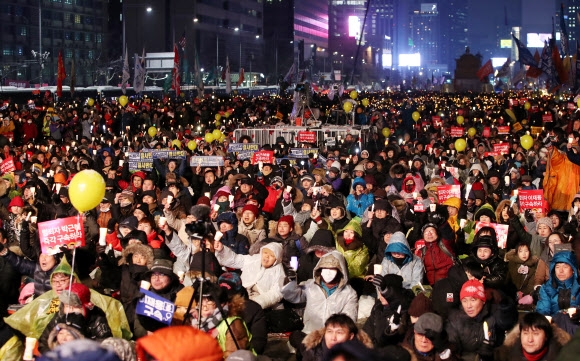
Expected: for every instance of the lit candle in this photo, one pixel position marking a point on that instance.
(485, 331)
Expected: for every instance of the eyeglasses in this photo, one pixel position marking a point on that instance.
(206, 305)
(60, 281)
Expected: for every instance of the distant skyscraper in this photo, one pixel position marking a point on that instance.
(425, 36)
(453, 31)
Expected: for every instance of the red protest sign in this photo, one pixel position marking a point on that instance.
(448, 191)
(264, 156)
(7, 166)
(67, 232)
(501, 232)
(493, 154)
(547, 118)
(436, 119)
(486, 132)
(419, 207)
(531, 199)
(306, 137)
(502, 148)
(504, 129)
(571, 106)
(457, 132)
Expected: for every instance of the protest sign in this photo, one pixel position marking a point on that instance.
(7, 166)
(501, 231)
(502, 148)
(457, 132)
(503, 129)
(546, 118)
(436, 119)
(448, 191)
(531, 199)
(517, 127)
(143, 160)
(492, 154)
(156, 307)
(243, 147)
(67, 232)
(306, 137)
(303, 152)
(486, 132)
(537, 130)
(206, 161)
(264, 156)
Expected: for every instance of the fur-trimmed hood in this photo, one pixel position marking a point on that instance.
(500, 207)
(236, 306)
(398, 168)
(128, 252)
(315, 338)
(512, 349)
(560, 336)
(512, 256)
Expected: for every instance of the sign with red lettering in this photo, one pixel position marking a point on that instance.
(264, 156)
(419, 207)
(7, 166)
(486, 132)
(67, 232)
(514, 102)
(501, 232)
(531, 199)
(502, 148)
(448, 191)
(504, 129)
(457, 132)
(493, 154)
(546, 118)
(436, 120)
(306, 137)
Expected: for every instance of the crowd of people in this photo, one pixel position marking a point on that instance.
(362, 252)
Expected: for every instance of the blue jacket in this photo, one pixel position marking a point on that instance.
(551, 290)
(412, 269)
(357, 206)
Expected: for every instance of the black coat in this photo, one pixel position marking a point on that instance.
(9, 286)
(256, 322)
(27, 267)
(445, 294)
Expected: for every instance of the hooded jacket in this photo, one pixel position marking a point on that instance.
(412, 268)
(255, 231)
(525, 282)
(320, 306)
(263, 284)
(494, 268)
(556, 295)
(237, 242)
(511, 350)
(358, 204)
(356, 253)
(561, 180)
(315, 346)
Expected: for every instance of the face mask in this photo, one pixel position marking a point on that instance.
(224, 205)
(518, 164)
(124, 204)
(409, 187)
(104, 210)
(328, 274)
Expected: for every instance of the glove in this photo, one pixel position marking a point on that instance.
(394, 321)
(377, 280)
(287, 196)
(526, 300)
(510, 212)
(528, 215)
(485, 350)
(291, 274)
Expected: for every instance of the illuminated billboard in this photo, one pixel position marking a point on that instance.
(410, 59)
(497, 62)
(387, 59)
(505, 43)
(537, 40)
(353, 26)
(429, 8)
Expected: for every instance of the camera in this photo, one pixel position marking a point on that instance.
(197, 229)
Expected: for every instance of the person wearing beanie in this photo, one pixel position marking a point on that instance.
(389, 319)
(453, 205)
(401, 261)
(14, 220)
(562, 290)
(420, 305)
(227, 224)
(479, 306)
(484, 250)
(359, 200)
(149, 198)
(379, 219)
(284, 234)
(76, 310)
(428, 340)
(485, 214)
(262, 274)
(350, 243)
(322, 242)
(253, 224)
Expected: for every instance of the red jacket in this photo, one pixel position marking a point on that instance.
(270, 202)
(29, 132)
(437, 262)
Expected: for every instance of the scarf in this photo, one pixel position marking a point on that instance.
(453, 223)
(211, 322)
(535, 356)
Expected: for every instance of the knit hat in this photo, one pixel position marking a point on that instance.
(16, 202)
(306, 177)
(547, 221)
(472, 288)
(421, 304)
(79, 296)
(277, 179)
(429, 321)
(382, 205)
(222, 193)
(203, 200)
(252, 208)
(287, 219)
(130, 222)
(151, 194)
(453, 202)
(231, 282)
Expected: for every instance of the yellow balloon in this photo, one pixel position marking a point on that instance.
(227, 114)
(209, 137)
(347, 106)
(222, 138)
(386, 132)
(578, 102)
(216, 134)
(218, 123)
(218, 117)
(86, 190)
(472, 132)
(353, 94)
(460, 119)
(176, 143)
(191, 145)
(152, 131)
(123, 100)
(527, 105)
(91, 102)
(365, 102)
(416, 116)
(527, 141)
(460, 144)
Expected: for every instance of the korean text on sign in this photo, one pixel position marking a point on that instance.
(448, 191)
(61, 232)
(531, 199)
(155, 307)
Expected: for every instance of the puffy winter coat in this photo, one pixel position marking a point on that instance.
(263, 284)
(29, 268)
(525, 279)
(315, 346)
(556, 295)
(235, 241)
(511, 350)
(437, 262)
(561, 180)
(320, 306)
(355, 253)
(357, 204)
(412, 269)
(255, 231)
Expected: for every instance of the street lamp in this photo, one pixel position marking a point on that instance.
(148, 8)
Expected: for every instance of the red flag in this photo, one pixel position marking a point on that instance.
(241, 79)
(562, 74)
(61, 75)
(176, 73)
(533, 72)
(485, 70)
